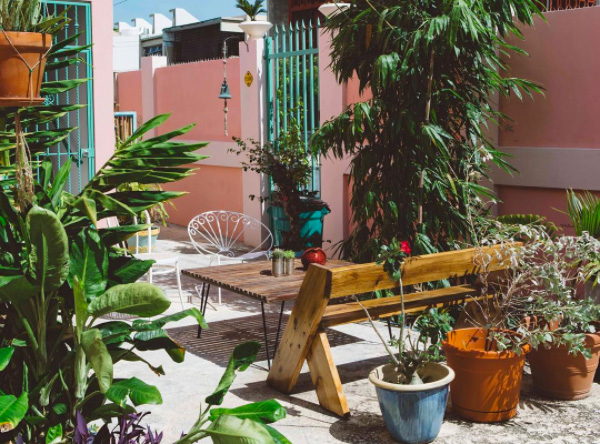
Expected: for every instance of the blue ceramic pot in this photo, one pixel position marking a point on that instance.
(413, 414)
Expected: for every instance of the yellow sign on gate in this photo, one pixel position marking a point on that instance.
(248, 79)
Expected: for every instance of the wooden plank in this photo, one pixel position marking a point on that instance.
(301, 329)
(386, 307)
(364, 278)
(325, 376)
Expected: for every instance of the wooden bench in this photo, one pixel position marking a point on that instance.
(305, 336)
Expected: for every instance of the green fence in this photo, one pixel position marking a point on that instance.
(292, 62)
(79, 146)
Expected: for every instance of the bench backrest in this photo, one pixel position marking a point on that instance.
(365, 278)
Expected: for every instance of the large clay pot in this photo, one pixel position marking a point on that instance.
(413, 413)
(17, 87)
(488, 382)
(558, 374)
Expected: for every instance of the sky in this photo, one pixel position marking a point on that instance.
(125, 10)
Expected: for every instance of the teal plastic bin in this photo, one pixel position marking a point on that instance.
(312, 226)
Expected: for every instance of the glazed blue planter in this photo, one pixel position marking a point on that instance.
(413, 414)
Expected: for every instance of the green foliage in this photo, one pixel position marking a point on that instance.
(534, 220)
(289, 166)
(277, 253)
(584, 212)
(289, 254)
(247, 424)
(419, 146)
(29, 16)
(60, 273)
(251, 9)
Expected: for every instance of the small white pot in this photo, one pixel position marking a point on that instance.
(256, 29)
(333, 9)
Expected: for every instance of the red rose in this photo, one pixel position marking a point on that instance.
(405, 247)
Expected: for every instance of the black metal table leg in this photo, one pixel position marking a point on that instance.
(389, 323)
(203, 304)
(279, 328)
(265, 332)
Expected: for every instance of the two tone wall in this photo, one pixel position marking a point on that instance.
(554, 138)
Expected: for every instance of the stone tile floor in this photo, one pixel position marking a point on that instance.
(356, 350)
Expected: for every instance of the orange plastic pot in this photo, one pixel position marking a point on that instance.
(558, 374)
(19, 87)
(488, 382)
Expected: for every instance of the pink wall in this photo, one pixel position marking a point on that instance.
(564, 60)
(191, 93)
(102, 52)
(554, 138)
(210, 188)
(129, 93)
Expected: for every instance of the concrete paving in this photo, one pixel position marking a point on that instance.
(186, 385)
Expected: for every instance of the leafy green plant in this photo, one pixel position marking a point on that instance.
(289, 254)
(289, 166)
(419, 146)
(29, 16)
(158, 213)
(535, 220)
(251, 9)
(61, 274)
(584, 212)
(277, 254)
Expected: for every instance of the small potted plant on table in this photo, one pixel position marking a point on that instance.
(255, 29)
(289, 262)
(277, 256)
(412, 389)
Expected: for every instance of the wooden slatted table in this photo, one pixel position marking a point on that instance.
(254, 280)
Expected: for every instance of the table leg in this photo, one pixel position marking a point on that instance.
(203, 304)
(265, 333)
(389, 323)
(279, 327)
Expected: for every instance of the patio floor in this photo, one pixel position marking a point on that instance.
(356, 350)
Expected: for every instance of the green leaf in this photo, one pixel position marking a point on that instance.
(6, 354)
(12, 411)
(127, 270)
(141, 325)
(97, 354)
(89, 263)
(264, 411)
(55, 434)
(110, 411)
(81, 307)
(141, 299)
(276, 435)
(241, 358)
(16, 289)
(159, 340)
(49, 249)
(231, 430)
(136, 390)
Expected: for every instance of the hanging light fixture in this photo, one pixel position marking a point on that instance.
(225, 93)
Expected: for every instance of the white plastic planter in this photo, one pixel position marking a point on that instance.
(256, 29)
(333, 9)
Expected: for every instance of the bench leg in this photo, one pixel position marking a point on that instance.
(325, 376)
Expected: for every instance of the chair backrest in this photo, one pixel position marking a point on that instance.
(365, 278)
(222, 232)
(112, 222)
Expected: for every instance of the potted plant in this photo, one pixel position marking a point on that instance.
(289, 262)
(584, 212)
(25, 40)
(566, 357)
(277, 256)
(488, 355)
(296, 214)
(255, 29)
(332, 9)
(413, 388)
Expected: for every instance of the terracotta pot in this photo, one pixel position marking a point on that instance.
(17, 87)
(560, 375)
(487, 383)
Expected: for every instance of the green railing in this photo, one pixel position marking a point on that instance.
(292, 62)
(79, 146)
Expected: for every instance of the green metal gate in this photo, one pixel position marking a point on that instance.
(78, 147)
(292, 73)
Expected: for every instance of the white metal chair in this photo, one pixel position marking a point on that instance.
(164, 263)
(220, 234)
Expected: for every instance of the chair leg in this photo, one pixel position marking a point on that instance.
(219, 263)
(150, 275)
(204, 291)
(325, 376)
(179, 285)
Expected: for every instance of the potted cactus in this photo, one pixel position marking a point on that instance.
(254, 28)
(25, 40)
